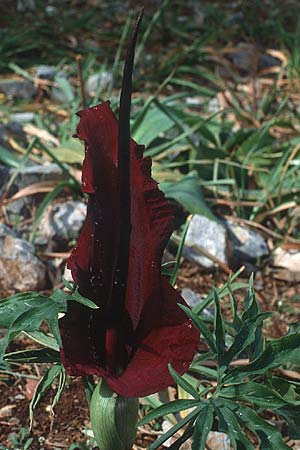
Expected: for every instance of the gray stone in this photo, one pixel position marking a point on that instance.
(23, 117)
(61, 224)
(11, 130)
(45, 72)
(245, 57)
(20, 269)
(192, 298)
(248, 57)
(247, 246)
(17, 89)
(266, 61)
(98, 82)
(208, 235)
(35, 174)
(24, 5)
(235, 19)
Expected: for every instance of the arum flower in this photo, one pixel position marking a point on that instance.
(138, 328)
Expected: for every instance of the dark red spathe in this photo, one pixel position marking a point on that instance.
(127, 341)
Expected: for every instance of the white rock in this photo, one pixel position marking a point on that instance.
(206, 234)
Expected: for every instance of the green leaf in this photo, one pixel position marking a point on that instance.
(8, 157)
(277, 352)
(61, 295)
(219, 329)
(288, 390)
(179, 252)
(37, 355)
(202, 370)
(43, 339)
(257, 394)
(183, 383)
(43, 387)
(188, 193)
(168, 408)
(245, 336)
(70, 152)
(83, 300)
(66, 87)
(176, 428)
(153, 124)
(230, 425)
(203, 426)
(200, 325)
(294, 328)
(291, 414)
(60, 388)
(26, 312)
(269, 437)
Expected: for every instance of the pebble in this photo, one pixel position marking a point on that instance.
(61, 224)
(20, 269)
(209, 235)
(17, 89)
(98, 82)
(45, 72)
(248, 247)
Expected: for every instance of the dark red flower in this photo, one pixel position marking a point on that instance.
(138, 328)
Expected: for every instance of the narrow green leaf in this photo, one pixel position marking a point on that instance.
(37, 355)
(203, 426)
(179, 252)
(269, 437)
(200, 325)
(176, 428)
(43, 339)
(83, 300)
(202, 370)
(277, 352)
(9, 158)
(169, 408)
(43, 387)
(244, 337)
(60, 388)
(183, 383)
(257, 394)
(230, 425)
(219, 329)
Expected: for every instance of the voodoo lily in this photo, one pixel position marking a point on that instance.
(138, 328)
